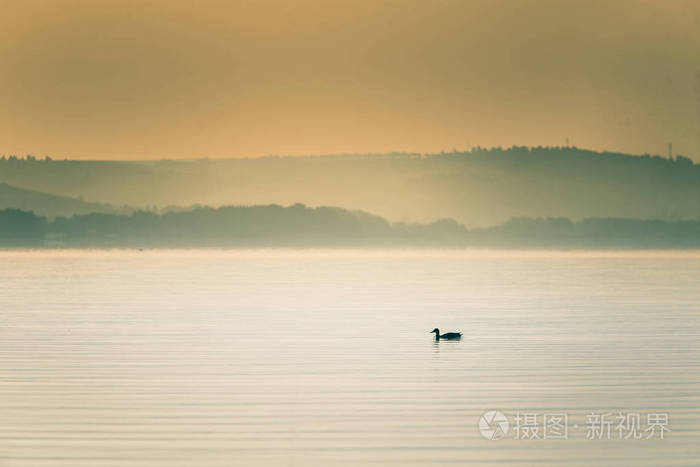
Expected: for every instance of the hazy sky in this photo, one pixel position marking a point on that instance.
(154, 79)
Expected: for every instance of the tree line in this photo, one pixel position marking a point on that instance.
(302, 226)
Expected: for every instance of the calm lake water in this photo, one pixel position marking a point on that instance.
(283, 357)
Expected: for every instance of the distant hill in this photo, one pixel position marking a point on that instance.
(48, 205)
(480, 187)
(301, 226)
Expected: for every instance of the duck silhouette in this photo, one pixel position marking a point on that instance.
(448, 336)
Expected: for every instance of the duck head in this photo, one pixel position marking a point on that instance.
(436, 331)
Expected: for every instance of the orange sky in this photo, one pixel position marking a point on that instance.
(160, 79)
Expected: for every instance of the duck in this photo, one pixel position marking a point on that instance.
(450, 336)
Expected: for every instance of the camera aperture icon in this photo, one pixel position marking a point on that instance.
(493, 425)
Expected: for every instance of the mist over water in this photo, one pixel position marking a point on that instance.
(227, 229)
(295, 357)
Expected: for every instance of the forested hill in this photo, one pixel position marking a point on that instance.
(46, 204)
(300, 226)
(479, 187)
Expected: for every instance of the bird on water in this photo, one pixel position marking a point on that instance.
(449, 336)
